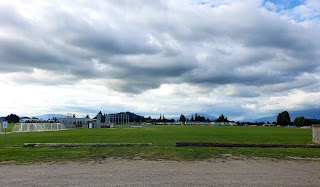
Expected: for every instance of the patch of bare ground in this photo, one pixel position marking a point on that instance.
(227, 171)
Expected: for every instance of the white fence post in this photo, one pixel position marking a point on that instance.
(316, 133)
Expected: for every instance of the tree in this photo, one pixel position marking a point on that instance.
(88, 117)
(299, 121)
(302, 121)
(200, 118)
(12, 118)
(149, 119)
(182, 118)
(283, 118)
(221, 118)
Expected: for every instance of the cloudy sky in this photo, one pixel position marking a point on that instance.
(244, 59)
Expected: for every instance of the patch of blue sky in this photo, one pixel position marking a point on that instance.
(281, 5)
(295, 10)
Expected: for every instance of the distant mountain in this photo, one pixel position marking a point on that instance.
(200, 114)
(50, 116)
(308, 113)
(266, 119)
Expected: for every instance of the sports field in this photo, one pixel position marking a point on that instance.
(163, 139)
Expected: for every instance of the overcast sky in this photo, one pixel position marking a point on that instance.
(244, 59)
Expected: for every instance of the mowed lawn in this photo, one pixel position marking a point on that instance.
(168, 135)
(163, 139)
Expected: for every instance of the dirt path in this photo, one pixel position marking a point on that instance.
(219, 172)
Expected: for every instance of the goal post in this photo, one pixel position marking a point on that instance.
(38, 127)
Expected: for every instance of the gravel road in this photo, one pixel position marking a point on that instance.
(215, 172)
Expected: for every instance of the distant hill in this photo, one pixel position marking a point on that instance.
(267, 119)
(308, 113)
(135, 117)
(50, 116)
(200, 114)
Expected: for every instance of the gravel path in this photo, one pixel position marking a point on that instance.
(218, 172)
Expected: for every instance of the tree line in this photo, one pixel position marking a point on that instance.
(200, 118)
(283, 119)
(12, 118)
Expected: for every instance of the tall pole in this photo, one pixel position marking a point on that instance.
(5, 125)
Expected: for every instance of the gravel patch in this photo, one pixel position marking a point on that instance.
(214, 172)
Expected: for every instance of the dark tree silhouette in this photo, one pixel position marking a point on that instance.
(12, 118)
(283, 118)
(302, 121)
(222, 118)
(182, 118)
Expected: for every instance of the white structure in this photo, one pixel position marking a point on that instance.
(120, 118)
(71, 122)
(224, 124)
(197, 123)
(24, 119)
(36, 127)
(316, 133)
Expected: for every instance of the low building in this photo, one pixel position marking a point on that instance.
(71, 122)
(30, 120)
(120, 118)
(224, 124)
(197, 123)
(23, 119)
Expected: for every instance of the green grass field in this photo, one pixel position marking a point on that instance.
(163, 139)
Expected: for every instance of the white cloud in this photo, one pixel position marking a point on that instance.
(249, 106)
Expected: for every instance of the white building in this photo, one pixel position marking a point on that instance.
(71, 122)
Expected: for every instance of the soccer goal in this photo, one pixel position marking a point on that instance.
(37, 127)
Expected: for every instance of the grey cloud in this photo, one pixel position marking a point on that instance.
(306, 81)
(232, 109)
(26, 54)
(45, 80)
(244, 46)
(113, 42)
(10, 18)
(135, 86)
(243, 91)
(149, 73)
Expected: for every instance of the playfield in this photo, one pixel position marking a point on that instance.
(163, 140)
